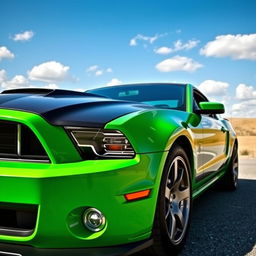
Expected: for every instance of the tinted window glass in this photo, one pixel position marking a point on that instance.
(160, 95)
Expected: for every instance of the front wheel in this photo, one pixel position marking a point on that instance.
(174, 205)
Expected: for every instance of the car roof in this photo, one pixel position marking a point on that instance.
(138, 84)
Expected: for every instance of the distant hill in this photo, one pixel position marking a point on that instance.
(246, 133)
(244, 126)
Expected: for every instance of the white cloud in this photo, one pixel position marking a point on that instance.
(213, 88)
(234, 46)
(244, 109)
(5, 53)
(92, 68)
(18, 81)
(163, 50)
(149, 39)
(114, 81)
(177, 46)
(25, 36)
(3, 76)
(51, 71)
(51, 86)
(245, 92)
(178, 63)
(97, 71)
(133, 42)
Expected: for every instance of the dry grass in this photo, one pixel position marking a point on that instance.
(244, 126)
(247, 145)
(246, 132)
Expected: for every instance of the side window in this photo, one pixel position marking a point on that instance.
(197, 98)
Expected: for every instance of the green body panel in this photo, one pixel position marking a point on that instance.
(143, 129)
(67, 185)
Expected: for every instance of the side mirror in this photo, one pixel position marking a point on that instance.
(210, 108)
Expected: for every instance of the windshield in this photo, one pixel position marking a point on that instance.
(159, 95)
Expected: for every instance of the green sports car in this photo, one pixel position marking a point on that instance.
(110, 171)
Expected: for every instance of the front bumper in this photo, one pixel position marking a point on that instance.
(127, 249)
(63, 191)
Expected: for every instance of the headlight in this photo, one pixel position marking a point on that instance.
(98, 143)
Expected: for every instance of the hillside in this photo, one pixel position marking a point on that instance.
(246, 133)
(244, 126)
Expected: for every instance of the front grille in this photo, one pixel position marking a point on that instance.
(17, 219)
(18, 142)
(8, 138)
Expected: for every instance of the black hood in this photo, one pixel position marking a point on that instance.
(68, 108)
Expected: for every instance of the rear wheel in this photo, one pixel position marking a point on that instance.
(230, 178)
(174, 206)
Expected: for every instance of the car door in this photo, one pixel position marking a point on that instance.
(212, 145)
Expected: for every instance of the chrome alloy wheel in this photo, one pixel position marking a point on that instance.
(177, 200)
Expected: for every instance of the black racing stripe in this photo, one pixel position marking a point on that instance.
(70, 109)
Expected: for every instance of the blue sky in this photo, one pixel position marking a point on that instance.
(86, 44)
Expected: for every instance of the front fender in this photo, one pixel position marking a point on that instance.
(152, 130)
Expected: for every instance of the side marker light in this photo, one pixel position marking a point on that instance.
(137, 195)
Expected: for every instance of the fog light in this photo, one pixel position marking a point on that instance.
(94, 220)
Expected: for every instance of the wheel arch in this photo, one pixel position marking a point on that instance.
(185, 143)
(236, 142)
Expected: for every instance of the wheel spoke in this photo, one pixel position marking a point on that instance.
(167, 214)
(178, 173)
(183, 194)
(173, 226)
(167, 193)
(179, 178)
(181, 218)
(235, 168)
(175, 171)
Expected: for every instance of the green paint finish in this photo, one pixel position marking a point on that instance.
(54, 139)
(168, 123)
(37, 170)
(189, 98)
(211, 106)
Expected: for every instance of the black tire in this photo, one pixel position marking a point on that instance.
(172, 217)
(230, 178)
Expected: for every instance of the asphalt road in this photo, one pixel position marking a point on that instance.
(224, 223)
